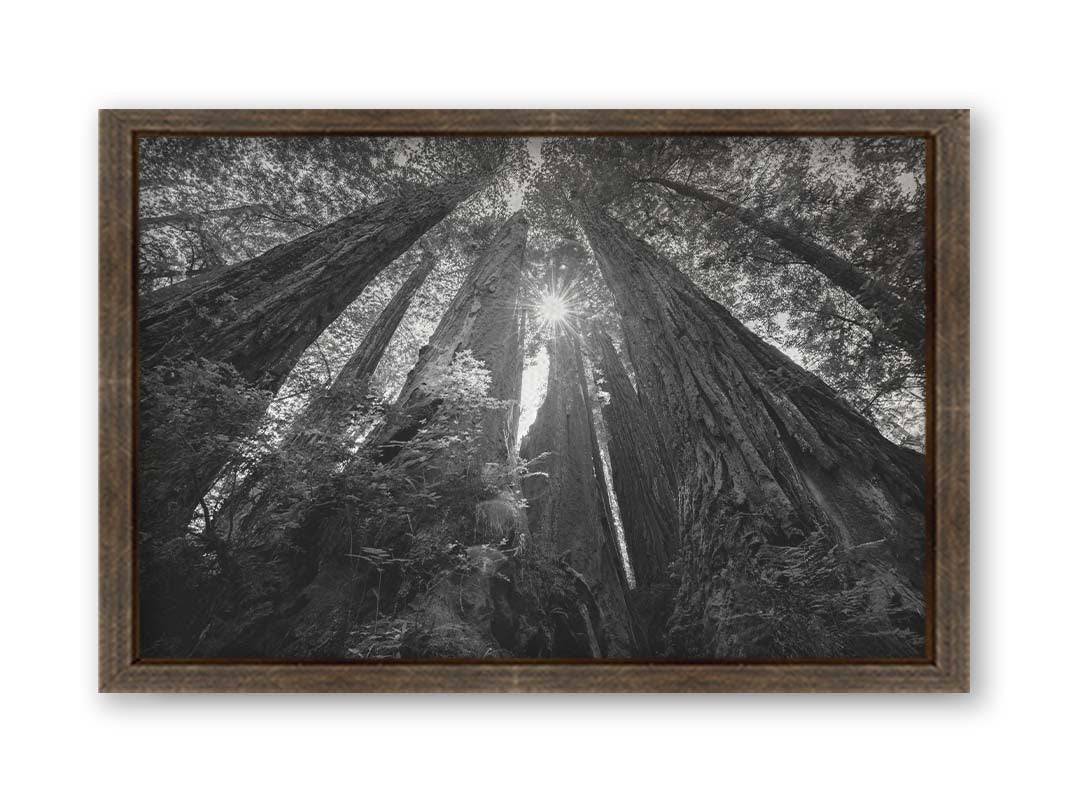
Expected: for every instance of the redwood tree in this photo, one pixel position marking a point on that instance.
(251, 322)
(800, 526)
(643, 475)
(328, 410)
(569, 514)
(486, 319)
(327, 415)
(260, 315)
(319, 598)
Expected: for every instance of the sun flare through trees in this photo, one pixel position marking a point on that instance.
(501, 397)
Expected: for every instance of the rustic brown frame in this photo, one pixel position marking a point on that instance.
(946, 670)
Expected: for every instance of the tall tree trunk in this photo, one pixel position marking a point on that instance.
(897, 319)
(800, 526)
(486, 319)
(328, 414)
(258, 317)
(643, 476)
(568, 510)
(327, 411)
(308, 613)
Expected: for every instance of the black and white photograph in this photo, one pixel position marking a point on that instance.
(630, 398)
(559, 400)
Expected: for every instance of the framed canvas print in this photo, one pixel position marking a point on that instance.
(534, 401)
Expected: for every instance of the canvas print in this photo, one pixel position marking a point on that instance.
(629, 398)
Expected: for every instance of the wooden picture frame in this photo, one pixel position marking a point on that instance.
(946, 669)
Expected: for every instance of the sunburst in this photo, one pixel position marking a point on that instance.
(553, 308)
(557, 309)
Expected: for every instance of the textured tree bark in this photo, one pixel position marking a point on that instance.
(328, 414)
(318, 590)
(328, 411)
(486, 319)
(259, 317)
(568, 509)
(800, 526)
(262, 314)
(898, 320)
(641, 472)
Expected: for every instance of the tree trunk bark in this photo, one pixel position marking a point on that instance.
(318, 586)
(327, 411)
(486, 319)
(897, 319)
(800, 526)
(328, 414)
(568, 512)
(259, 317)
(642, 475)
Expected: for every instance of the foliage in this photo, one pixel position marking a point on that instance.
(200, 406)
(381, 525)
(862, 198)
(209, 202)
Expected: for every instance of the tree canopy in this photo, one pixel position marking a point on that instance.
(516, 340)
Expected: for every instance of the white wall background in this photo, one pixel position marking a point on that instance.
(61, 62)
